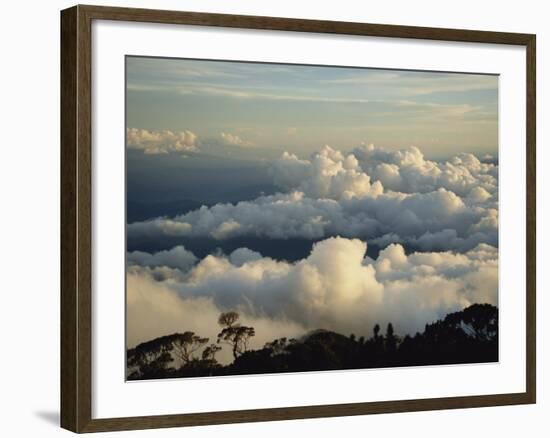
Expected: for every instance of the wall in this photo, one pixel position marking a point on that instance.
(29, 178)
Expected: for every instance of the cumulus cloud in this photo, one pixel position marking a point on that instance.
(409, 171)
(161, 142)
(243, 255)
(336, 287)
(375, 194)
(177, 257)
(369, 170)
(293, 215)
(445, 211)
(329, 174)
(234, 140)
(155, 309)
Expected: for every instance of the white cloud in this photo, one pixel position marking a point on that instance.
(243, 255)
(161, 142)
(293, 215)
(375, 194)
(329, 174)
(408, 171)
(161, 225)
(407, 84)
(226, 229)
(289, 171)
(234, 140)
(274, 94)
(336, 287)
(154, 309)
(369, 170)
(177, 257)
(478, 195)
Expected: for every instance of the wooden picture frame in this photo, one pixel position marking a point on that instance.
(76, 217)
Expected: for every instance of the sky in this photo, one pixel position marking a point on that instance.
(307, 197)
(269, 108)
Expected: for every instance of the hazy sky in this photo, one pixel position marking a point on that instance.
(269, 108)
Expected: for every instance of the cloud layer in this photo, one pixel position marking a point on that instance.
(408, 171)
(328, 175)
(385, 197)
(445, 212)
(234, 140)
(369, 170)
(419, 218)
(155, 309)
(177, 257)
(336, 287)
(160, 142)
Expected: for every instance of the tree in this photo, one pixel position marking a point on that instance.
(228, 319)
(391, 339)
(479, 321)
(151, 358)
(234, 334)
(466, 336)
(209, 353)
(186, 344)
(376, 331)
(279, 346)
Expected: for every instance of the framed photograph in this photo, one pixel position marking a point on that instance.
(271, 218)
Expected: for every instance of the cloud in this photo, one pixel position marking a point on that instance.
(243, 255)
(294, 215)
(155, 309)
(408, 171)
(336, 287)
(369, 170)
(289, 171)
(329, 174)
(226, 229)
(418, 83)
(177, 257)
(375, 194)
(159, 226)
(234, 140)
(276, 94)
(478, 195)
(385, 106)
(161, 142)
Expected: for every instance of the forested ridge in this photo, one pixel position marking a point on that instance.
(467, 336)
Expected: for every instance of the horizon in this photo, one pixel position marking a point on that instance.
(267, 108)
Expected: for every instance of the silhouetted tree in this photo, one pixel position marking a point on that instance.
(186, 344)
(209, 353)
(228, 319)
(234, 334)
(150, 358)
(375, 348)
(467, 336)
(479, 321)
(391, 339)
(278, 346)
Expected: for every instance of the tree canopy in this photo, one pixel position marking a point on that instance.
(467, 336)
